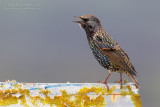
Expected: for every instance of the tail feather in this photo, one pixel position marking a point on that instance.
(134, 80)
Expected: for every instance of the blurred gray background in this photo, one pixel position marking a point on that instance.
(39, 42)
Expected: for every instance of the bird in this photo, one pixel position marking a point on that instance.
(106, 50)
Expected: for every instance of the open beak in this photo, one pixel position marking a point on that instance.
(78, 21)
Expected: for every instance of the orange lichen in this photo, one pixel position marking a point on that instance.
(1, 92)
(24, 91)
(14, 91)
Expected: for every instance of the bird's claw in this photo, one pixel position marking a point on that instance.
(104, 82)
(117, 81)
(120, 83)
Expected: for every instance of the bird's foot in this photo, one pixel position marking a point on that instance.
(104, 82)
(117, 81)
(120, 83)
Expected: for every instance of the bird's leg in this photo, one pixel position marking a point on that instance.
(120, 79)
(105, 81)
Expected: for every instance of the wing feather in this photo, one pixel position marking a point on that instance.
(114, 52)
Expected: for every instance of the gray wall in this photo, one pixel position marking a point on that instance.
(39, 42)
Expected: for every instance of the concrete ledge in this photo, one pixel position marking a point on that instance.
(14, 94)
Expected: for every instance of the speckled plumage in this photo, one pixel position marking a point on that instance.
(106, 50)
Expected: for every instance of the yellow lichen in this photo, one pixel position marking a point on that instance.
(35, 99)
(17, 85)
(111, 90)
(135, 98)
(23, 101)
(45, 92)
(81, 98)
(8, 99)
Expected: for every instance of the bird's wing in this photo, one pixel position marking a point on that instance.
(105, 42)
(114, 52)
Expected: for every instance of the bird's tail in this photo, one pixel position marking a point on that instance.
(134, 80)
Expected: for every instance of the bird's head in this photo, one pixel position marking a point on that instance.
(89, 23)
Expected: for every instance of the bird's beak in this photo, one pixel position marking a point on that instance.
(78, 21)
(77, 17)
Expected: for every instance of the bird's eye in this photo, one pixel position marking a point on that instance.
(90, 26)
(85, 19)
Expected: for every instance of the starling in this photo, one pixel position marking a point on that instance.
(106, 50)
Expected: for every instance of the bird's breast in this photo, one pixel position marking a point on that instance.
(103, 60)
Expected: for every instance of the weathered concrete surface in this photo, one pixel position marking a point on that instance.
(14, 94)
